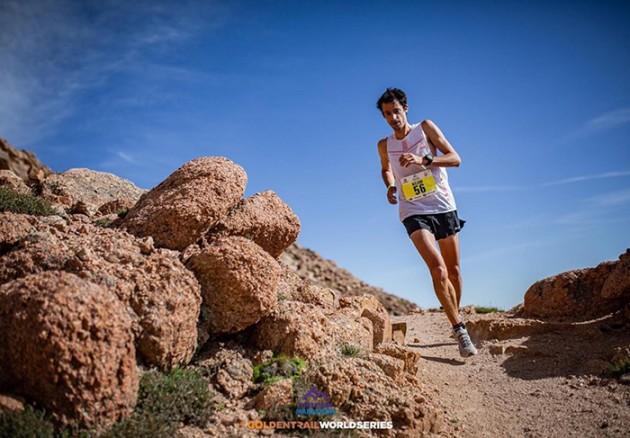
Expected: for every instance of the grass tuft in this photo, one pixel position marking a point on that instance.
(619, 368)
(24, 204)
(165, 400)
(28, 423)
(278, 368)
(350, 350)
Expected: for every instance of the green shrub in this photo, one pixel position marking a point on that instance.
(619, 368)
(350, 350)
(482, 309)
(164, 401)
(103, 223)
(278, 368)
(28, 423)
(24, 204)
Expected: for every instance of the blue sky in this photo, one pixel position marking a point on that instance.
(534, 96)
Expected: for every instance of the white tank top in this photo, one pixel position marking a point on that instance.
(416, 143)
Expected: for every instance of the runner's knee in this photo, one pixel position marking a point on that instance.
(439, 273)
(454, 272)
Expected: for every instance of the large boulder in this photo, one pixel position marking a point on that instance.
(295, 329)
(22, 163)
(160, 294)
(191, 200)
(617, 285)
(90, 192)
(575, 295)
(263, 218)
(238, 283)
(369, 307)
(67, 343)
(293, 288)
(363, 390)
(228, 370)
(11, 181)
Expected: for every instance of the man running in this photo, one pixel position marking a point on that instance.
(416, 179)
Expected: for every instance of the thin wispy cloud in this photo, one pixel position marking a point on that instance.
(576, 179)
(126, 157)
(613, 199)
(571, 180)
(56, 51)
(483, 189)
(603, 122)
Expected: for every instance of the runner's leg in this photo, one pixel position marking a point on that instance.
(449, 247)
(425, 244)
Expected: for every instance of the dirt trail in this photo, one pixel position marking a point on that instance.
(542, 386)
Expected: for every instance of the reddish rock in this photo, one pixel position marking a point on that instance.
(160, 293)
(228, 370)
(368, 306)
(391, 366)
(364, 391)
(295, 329)
(263, 218)
(13, 182)
(9, 403)
(293, 288)
(351, 332)
(13, 228)
(408, 356)
(399, 333)
(238, 282)
(274, 396)
(22, 163)
(191, 200)
(87, 191)
(501, 327)
(68, 344)
(575, 295)
(617, 285)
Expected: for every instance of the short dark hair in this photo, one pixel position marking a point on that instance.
(391, 95)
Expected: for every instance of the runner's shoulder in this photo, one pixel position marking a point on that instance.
(382, 143)
(427, 123)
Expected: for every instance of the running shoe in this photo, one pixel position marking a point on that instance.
(466, 347)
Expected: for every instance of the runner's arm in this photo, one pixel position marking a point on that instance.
(386, 172)
(449, 157)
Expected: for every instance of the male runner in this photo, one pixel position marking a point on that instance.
(416, 179)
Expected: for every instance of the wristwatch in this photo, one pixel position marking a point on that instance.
(429, 158)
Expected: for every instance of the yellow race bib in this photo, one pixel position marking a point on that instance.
(419, 185)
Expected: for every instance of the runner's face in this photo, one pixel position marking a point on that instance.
(395, 114)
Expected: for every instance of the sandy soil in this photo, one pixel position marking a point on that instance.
(549, 384)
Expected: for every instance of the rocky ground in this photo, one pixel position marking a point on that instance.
(536, 381)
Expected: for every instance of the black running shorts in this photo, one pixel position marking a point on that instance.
(442, 225)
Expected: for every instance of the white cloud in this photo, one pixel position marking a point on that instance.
(600, 123)
(587, 178)
(609, 120)
(126, 157)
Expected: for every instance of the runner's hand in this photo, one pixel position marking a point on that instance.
(391, 195)
(408, 159)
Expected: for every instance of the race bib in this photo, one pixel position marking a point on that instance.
(419, 185)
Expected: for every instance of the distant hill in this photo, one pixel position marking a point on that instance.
(310, 266)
